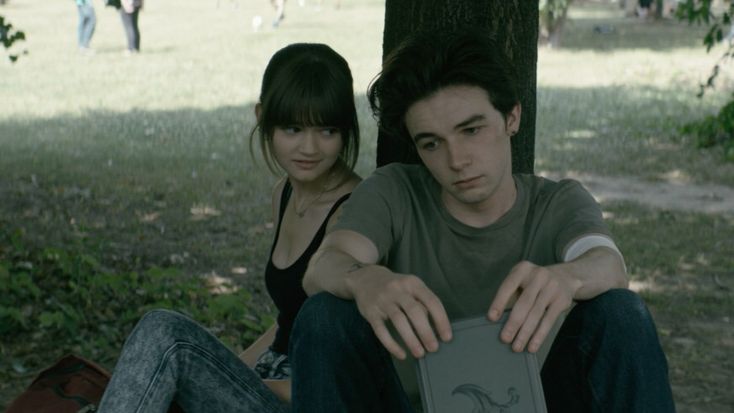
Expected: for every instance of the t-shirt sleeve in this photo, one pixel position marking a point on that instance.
(373, 210)
(577, 214)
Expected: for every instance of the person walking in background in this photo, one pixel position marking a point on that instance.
(87, 23)
(279, 6)
(129, 14)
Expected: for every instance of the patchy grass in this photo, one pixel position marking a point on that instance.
(613, 103)
(684, 272)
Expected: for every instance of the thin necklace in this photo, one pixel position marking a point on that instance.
(302, 212)
(308, 205)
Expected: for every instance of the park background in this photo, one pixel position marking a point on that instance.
(127, 183)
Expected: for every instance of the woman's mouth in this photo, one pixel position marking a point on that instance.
(306, 164)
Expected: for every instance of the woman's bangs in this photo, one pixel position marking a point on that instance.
(315, 104)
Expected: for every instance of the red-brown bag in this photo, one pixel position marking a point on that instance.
(71, 385)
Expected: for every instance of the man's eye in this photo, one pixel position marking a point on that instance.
(472, 130)
(429, 145)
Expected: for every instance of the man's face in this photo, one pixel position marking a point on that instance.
(465, 144)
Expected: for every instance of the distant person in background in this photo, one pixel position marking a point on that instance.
(129, 14)
(279, 11)
(645, 6)
(87, 23)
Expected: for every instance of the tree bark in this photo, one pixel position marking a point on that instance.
(514, 23)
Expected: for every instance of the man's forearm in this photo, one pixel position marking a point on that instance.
(594, 272)
(329, 270)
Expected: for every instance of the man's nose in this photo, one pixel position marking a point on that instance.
(458, 157)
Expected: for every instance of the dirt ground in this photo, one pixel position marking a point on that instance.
(672, 193)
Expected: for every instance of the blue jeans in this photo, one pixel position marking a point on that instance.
(132, 31)
(168, 357)
(606, 358)
(87, 23)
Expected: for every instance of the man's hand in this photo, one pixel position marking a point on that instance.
(406, 302)
(541, 295)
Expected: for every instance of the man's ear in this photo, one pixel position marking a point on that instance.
(512, 122)
(258, 110)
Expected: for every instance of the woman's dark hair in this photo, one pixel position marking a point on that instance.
(431, 60)
(307, 84)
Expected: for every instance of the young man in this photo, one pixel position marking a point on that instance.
(458, 236)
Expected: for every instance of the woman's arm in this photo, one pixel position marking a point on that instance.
(250, 355)
(281, 388)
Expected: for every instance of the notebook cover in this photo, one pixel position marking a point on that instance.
(476, 372)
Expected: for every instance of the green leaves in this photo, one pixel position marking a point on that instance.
(701, 12)
(8, 36)
(715, 130)
(57, 300)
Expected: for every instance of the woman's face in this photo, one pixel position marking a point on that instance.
(306, 153)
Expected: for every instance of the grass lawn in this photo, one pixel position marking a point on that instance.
(127, 182)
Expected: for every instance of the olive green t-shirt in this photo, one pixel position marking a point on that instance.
(399, 208)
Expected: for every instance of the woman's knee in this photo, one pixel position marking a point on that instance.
(162, 326)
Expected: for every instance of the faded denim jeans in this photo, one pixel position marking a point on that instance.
(169, 357)
(606, 358)
(86, 25)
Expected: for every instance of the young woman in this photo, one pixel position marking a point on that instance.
(307, 128)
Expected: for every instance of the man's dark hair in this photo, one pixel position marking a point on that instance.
(432, 60)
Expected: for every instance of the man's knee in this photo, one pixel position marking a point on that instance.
(324, 312)
(621, 310)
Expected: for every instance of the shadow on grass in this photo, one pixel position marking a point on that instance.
(614, 34)
(154, 188)
(631, 131)
(682, 264)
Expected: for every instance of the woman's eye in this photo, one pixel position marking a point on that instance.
(329, 131)
(291, 130)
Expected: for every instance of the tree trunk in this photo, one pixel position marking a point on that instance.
(514, 23)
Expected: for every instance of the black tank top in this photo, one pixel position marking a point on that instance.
(284, 285)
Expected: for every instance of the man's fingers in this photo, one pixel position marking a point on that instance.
(530, 324)
(382, 334)
(519, 316)
(549, 319)
(438, 314)
(418, 317)
(405, 329)
(509, 288)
